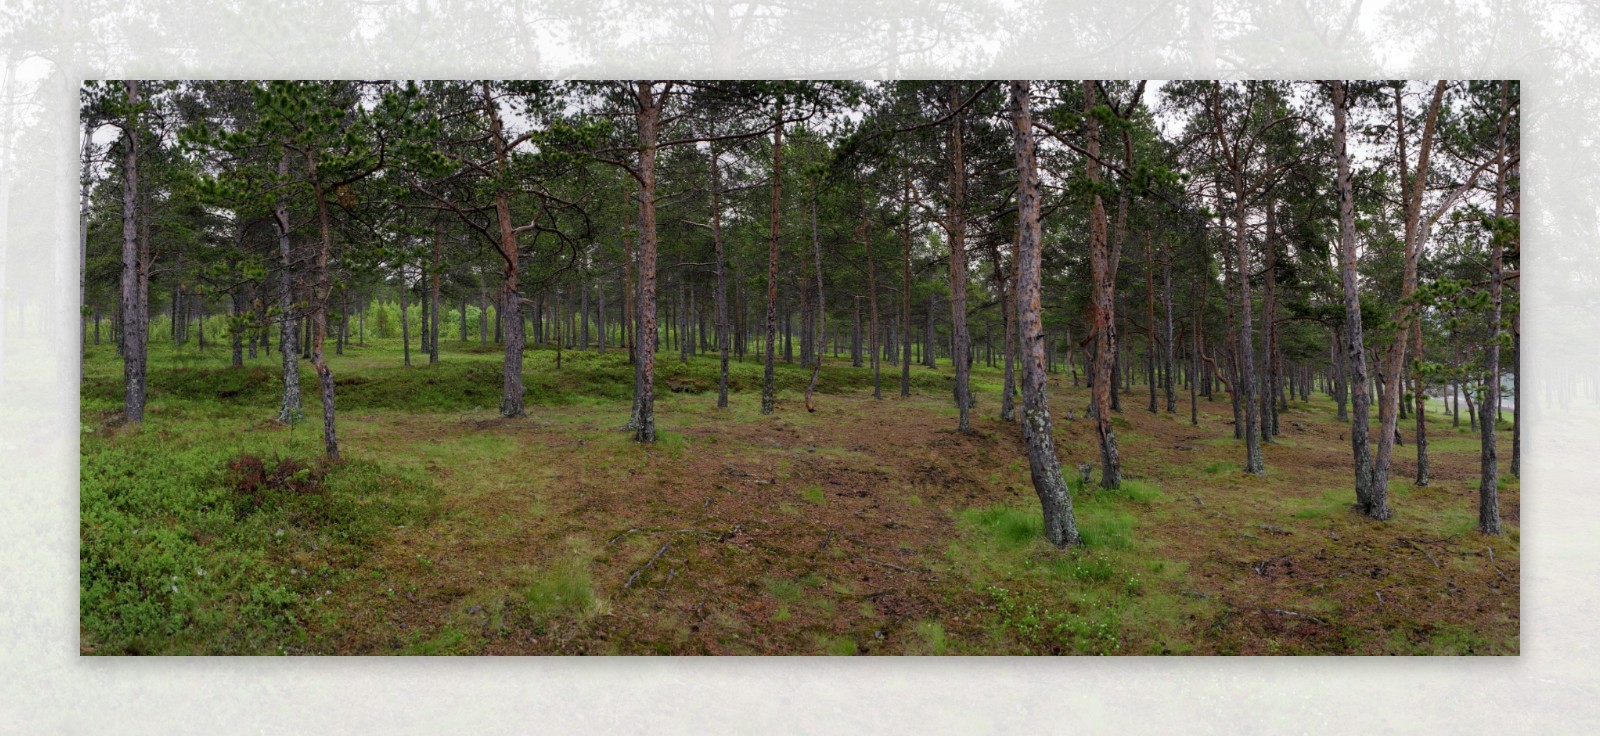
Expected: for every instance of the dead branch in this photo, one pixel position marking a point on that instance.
(645, 566)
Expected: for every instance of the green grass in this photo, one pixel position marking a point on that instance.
(930, 639)
(1006, 526)
(1325, 505)
(566, 589)
(1087, 600)
(813, 493)
(838, 646)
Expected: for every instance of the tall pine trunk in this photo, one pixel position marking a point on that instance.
(1355, 353)
(768, 383)
(1055, 499)
(135, 271)
(1102, 311)
(956, 228)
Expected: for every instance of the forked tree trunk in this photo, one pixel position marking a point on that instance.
(1392, 372)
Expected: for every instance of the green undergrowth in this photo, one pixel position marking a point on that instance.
(466, 378)
(189, 547)
(1102, 597)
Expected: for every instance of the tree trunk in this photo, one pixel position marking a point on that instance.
(322, 291)
(768, 383)
(821, 308)
(291, 409)
(433, 295)
(957, 233)
(650, 104)
(1489, 475)
(1166, 301)
(1367, 502)
(1392, 372)
(135, 272)
(722, 282)
(1004, 287)
(405, 321)
(1102, 311)
(1060, 526)
(1419, 393)
(905, 296)
(872, 308)
(84, 180)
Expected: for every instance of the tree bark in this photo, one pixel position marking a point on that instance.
(1367, 501)
(1489, 470)
(722, 282)
(433, 294)
(650, 104)
(956, 230)
(768, 382)
(1102, 310)
(821, 309)
(1392, 372)
(135, 271)
(291, 409)
(905, 296)
(1055, 499)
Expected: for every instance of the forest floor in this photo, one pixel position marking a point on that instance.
(866, 527)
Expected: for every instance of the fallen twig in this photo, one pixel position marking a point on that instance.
(1295, 614)
(1431, 558)
(661, 531)
(1494, 567)
(1273, 529)
(613, 540)
(889, 565)
(645, 566)
(824, 545)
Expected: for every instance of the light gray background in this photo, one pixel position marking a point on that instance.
(48, 46)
